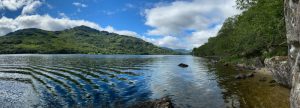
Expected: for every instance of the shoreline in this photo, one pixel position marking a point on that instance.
(264, 71)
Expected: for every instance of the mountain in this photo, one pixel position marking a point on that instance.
(179, 51)
(183, 51)
(79, 39)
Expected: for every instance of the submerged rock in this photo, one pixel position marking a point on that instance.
(280, 69)
(272, 85)
(214, 61)
(258, 62)
(272, 81)
(159, 103)
(183, 65)
(240, 76)
(250, 75)
(245, 67)
(244, 76)
(226, 64)
(263, 79)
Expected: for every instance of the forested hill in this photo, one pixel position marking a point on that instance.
(80, 39)
(258, 32)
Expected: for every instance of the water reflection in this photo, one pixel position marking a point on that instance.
(188, 87)
(122, 80)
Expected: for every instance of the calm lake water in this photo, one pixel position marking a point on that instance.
(123, 80)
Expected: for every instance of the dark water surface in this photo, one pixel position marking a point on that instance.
(123, 80)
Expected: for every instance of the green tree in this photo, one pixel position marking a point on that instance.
(259, 31)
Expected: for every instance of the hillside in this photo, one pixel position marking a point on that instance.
(258, 32)
(79, 39)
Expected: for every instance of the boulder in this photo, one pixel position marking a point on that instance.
(280, 70)
(183, 65)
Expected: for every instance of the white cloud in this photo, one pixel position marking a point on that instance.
(179, 16)
(63, 15)
(13, 5)
(121, 32)
(30, 8)
(198, 38)
(27, 6)
(44, 22)
(195, 39)
(80, 5)
(166, 41)
(192, 22)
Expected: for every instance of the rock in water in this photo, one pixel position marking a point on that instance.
(244, 67)
(292, 21)
(280, 69)
(159, 103)
(272, 81)
(240, 76)
(250, 75)
(226, 64)
(258, 62)
(183, 65)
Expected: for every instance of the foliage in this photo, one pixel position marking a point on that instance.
(76, 40)
(258, 32)
(245, 4)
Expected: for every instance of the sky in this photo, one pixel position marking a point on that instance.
(176, 24)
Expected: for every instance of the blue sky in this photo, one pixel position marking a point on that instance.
(177, 24)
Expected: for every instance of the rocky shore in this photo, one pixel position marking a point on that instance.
(276, 67)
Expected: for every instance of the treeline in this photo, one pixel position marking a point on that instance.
(259, 31)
